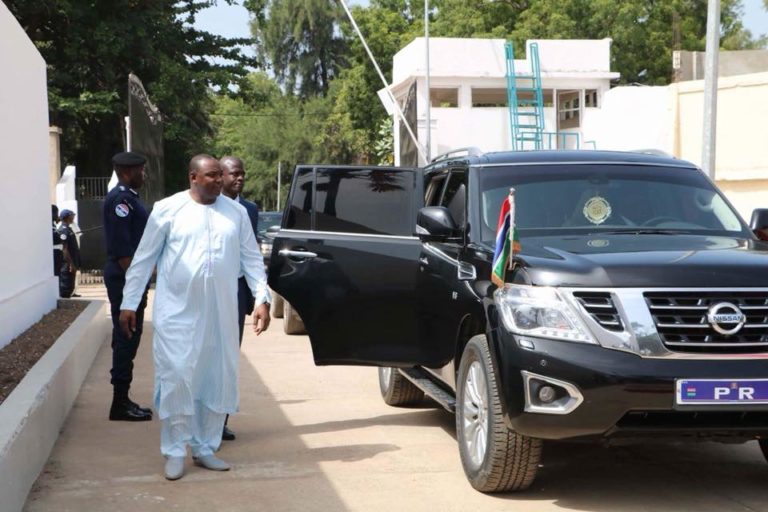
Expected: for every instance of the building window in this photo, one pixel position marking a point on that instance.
(590, 98)
(444, 98)
(568, 109)
(482, 97)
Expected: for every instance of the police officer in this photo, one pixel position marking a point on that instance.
(58, 243)
(71, 255)
(124, 220)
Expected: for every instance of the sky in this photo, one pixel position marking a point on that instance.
(232, 20)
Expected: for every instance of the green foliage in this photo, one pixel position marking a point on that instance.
(300, 41)
(644, 32)
(91, 47)
(264, 126)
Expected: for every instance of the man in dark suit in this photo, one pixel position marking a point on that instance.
(232, 187)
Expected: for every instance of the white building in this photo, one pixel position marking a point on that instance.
(28, 288)
(469, 90)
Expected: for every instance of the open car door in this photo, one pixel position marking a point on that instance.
(347, 260)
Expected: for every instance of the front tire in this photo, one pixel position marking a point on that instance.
(495, 458)
(396, 390)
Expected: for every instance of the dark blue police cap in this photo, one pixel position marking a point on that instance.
(65, 213)
(129, 159)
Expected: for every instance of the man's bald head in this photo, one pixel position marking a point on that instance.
(204, 178)
(198, 162)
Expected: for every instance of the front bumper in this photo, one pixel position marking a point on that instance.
(623, 394)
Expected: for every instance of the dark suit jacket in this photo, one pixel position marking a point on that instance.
(245, 300)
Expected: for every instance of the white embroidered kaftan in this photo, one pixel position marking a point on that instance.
(200, 250)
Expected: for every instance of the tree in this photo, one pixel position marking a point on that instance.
(299, 39)
(91, 47)
(644, 32)
(264, 126)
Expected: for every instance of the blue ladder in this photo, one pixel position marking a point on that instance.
(526, 124)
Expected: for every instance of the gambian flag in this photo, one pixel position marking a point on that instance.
(507, 243)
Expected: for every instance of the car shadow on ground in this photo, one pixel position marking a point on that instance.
(645, 476)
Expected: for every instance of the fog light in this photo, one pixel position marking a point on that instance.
(547, 394)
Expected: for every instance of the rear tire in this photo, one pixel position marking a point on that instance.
(396, 390)
(495, 458)
(292, 323)
(277, 305)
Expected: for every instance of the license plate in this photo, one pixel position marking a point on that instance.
(721, 391)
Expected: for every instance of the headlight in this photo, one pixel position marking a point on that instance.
(540, 311)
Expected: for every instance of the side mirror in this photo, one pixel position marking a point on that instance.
(435, 222)
(272, 231)
(759, 223)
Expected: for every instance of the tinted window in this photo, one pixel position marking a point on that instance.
(562, 200)
(375, 201)
(434, 190)
(455, 196)
(300, 211)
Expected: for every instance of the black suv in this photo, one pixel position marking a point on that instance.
(638, 305)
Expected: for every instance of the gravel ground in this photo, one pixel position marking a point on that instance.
(23, 352)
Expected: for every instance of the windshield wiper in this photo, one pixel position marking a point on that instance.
(642, 231)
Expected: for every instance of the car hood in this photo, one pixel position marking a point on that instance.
(631, 260)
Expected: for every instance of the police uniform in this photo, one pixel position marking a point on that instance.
(67, 276)
(58, 251)
(124, 219)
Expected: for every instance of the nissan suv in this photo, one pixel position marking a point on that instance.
(637, 305)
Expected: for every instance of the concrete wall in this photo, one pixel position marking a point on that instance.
(34, 413)
(28, 288)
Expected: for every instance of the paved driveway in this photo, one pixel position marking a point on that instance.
(321, 439)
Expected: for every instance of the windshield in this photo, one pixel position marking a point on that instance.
(267, 220)
(572, 199)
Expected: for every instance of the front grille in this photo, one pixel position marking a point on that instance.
(681, 320)
(600, 306)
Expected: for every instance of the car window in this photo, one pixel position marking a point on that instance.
(300, 211)
(375, 201)
(434, 190)
(455, 196)
(559, 200)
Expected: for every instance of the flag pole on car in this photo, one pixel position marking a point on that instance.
(507, 242)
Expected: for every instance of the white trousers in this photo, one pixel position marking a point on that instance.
(201, 432)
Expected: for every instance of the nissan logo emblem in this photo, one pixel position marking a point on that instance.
(725, 318)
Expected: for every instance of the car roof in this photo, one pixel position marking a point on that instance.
(564, 156)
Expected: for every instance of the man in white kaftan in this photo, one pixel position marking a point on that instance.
(200, 249)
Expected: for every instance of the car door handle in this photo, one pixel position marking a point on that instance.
(424, 261)
(297, 254)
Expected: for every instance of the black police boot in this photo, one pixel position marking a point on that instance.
(145, 410)
(124, 410)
